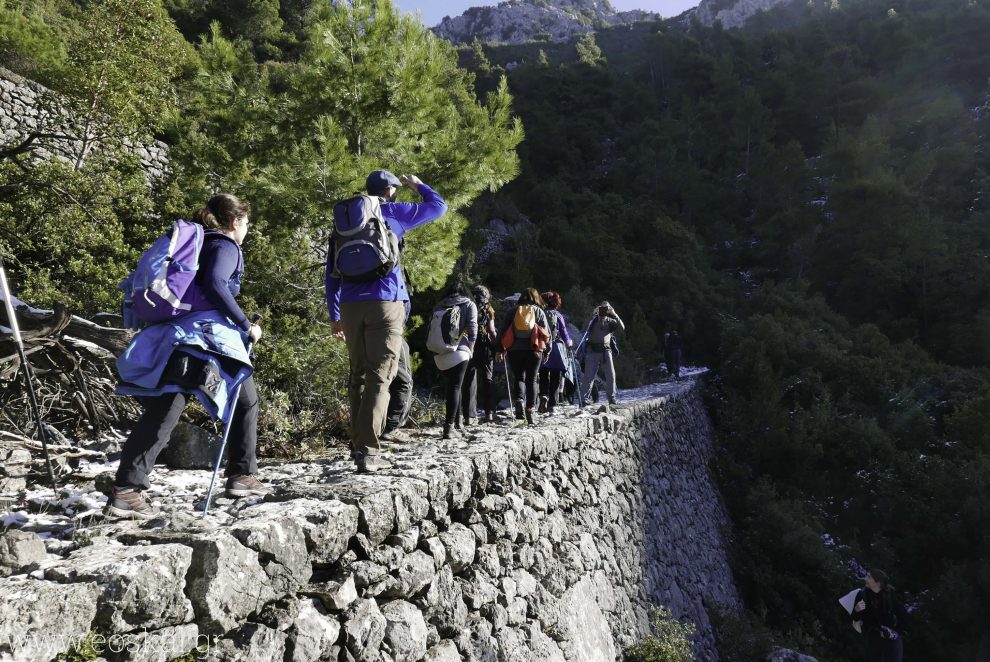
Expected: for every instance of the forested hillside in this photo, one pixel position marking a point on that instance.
(808, 207)
(288, 106)
(805, 201)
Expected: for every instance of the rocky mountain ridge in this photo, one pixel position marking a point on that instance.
(521, 21)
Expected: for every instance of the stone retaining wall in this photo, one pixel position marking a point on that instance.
(21, 113)
(523, 544)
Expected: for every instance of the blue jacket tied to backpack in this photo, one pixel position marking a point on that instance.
(213, 333)
(401, 217)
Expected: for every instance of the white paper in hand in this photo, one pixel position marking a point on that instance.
(848, 601)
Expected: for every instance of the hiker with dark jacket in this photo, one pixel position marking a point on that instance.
(454, 364)
(368, 316)
(673, 349)
(215, 315)
(555, 360)
(516, 334)
(479, 379)
(881, 618)
(598, 350)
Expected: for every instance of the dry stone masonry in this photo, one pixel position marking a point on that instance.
(22, 112)
(544, 544)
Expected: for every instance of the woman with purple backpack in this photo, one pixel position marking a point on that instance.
(180, 356)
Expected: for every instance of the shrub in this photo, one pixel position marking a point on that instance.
(671, 643)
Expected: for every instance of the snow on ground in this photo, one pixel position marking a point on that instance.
(76, 514)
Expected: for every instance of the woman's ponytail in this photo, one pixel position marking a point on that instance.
(221, 211)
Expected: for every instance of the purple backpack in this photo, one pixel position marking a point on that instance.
(162, 287)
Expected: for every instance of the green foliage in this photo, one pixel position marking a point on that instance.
(89, 647)
(806, 206)
(31, 39)
(117, 80)
(371, 88)
(588, 51)
(671, 641)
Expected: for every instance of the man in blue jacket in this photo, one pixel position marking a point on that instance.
(369, 315)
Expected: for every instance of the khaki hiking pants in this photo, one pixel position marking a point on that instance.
(373, 333)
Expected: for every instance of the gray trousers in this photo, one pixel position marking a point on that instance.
(592, 361)
(373, 333)
(400, 393)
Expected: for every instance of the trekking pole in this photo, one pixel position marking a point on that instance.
(577, 381)
(508, 385)
(42, 433)
(226, 429)
(577, 367)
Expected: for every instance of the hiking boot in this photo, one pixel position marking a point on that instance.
(396, 437)
(611, 400)
(550, 408)
(244, 485)
(489, 417)
(369, 464)
(529, 416)
(543, 404)
(450, 433)
(519, 409)
(468, 422)
(457, 424)
(127, 503)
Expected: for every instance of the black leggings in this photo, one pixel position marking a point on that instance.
(478, 385)
(525, 365)
(161, 414)
(452, 390)
(550, 385)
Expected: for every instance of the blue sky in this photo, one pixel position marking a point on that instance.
(433, 11)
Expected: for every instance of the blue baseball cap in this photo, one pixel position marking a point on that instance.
(379, 180)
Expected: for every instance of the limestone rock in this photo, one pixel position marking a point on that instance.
(281, 546)
(19, 550)
(338, 595)
(445, 651)
(519, 21)
(405, 632)
(414, 573)
(459, 543)
(364, 630)
(313, 633)
(35, 613)
(225, 581)
(251, 643)
(190, 447)
(140, 587)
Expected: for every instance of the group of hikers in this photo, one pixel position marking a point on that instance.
(201, 351)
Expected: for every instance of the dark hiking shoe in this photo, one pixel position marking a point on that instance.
(244, 485)
(369, 464)
(519, 409)
(489, 417)
(543, 404)
(529, 417)
(451, 433)
(127, 503)
(611, 401)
